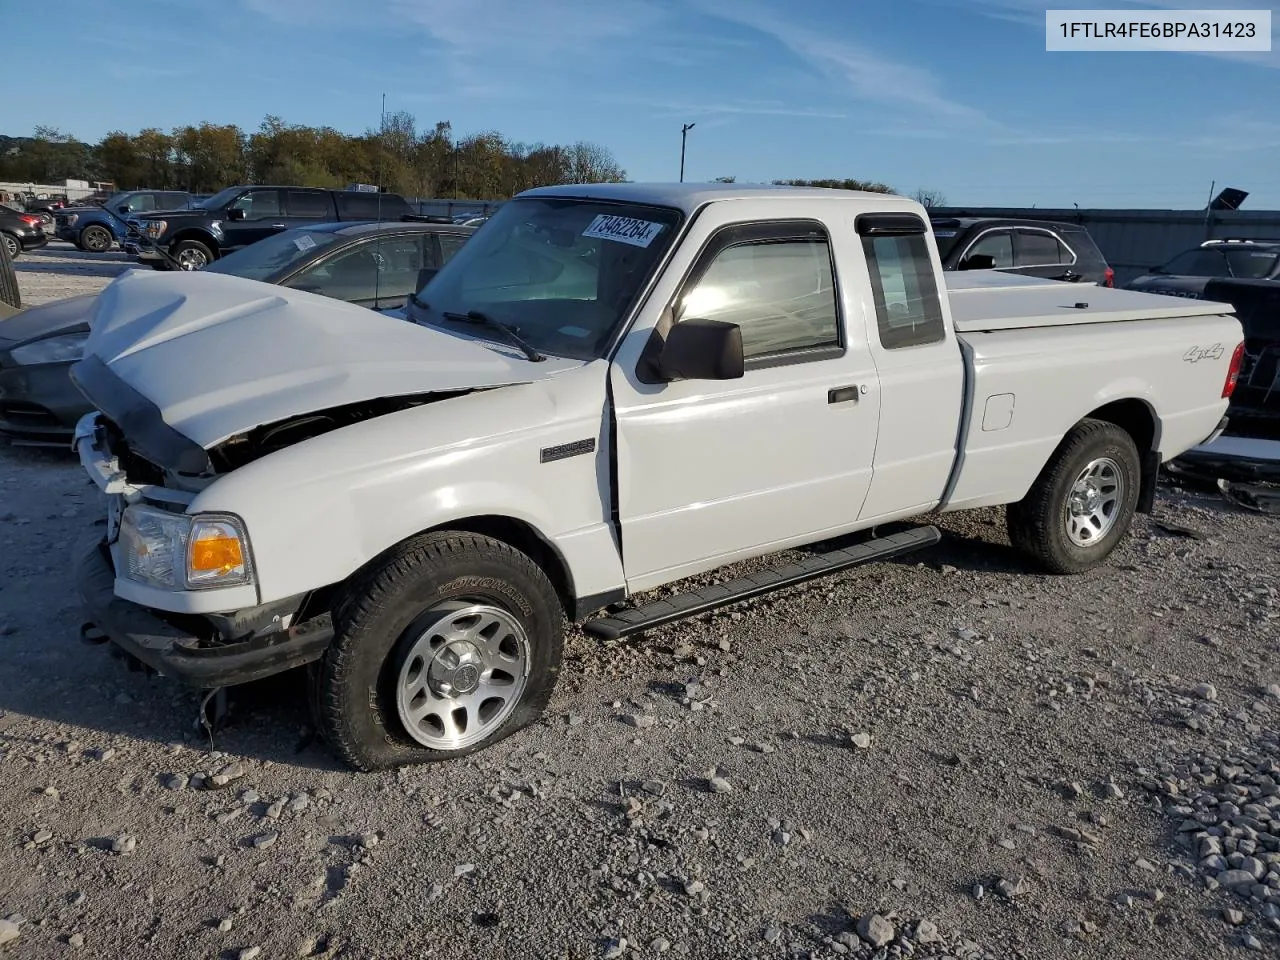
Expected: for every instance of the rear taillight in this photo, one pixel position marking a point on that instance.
(1233, 371)
(29, 220)
(1109, 278)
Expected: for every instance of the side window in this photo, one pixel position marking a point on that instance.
(908, 309)
(142, 203)
(308, 204)
(451, 243)
(259, 204)
(349, 275)
(998, 245)
(1038, 249)
(775, 281)
(398, 259)
(171, 201)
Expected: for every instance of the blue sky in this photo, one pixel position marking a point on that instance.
(958, 96)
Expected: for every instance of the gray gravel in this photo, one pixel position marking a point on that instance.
(894, 740)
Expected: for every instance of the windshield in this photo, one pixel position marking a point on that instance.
(1251, 264)
(1197, 263)
(561, 273)
(275, 255)
(222, 198)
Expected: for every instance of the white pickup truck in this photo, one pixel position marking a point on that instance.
(608, 389)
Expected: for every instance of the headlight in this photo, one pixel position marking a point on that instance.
(176, 551)
(60, 349)
(155, 228)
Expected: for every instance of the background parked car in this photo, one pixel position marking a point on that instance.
(97, 229)
(374, 265)
(21, 231)
(242, 215)
(1187, 274)
(1034, 248)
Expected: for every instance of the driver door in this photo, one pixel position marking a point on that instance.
(709, 472)
(263, 216)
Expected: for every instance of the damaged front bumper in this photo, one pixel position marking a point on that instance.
(173, 649)
(204, 638)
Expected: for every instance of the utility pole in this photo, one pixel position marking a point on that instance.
(684, 135)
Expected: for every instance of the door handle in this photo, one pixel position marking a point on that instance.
(842, 394)
(277, 226)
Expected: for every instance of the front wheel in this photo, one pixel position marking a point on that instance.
(96, 239)
(12, 245)
(450, 644)
(1081, 505)
(192, 255)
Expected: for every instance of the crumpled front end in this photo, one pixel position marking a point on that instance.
(153, 578)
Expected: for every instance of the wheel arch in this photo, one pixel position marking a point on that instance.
(521, 535)
(195, 233)
(1138, 419)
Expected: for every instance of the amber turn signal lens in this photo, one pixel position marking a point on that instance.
(216, 554)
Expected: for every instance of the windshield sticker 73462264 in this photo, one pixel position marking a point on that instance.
(638, 233)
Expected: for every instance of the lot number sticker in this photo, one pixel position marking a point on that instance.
(304, 242)
(638, 233)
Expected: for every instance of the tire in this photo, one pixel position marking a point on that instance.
(192, 252)
(95, 239)
(1041, 524)
(12, 245)
(9, 292)
(388, 657)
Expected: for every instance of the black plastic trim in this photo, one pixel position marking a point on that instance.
(1151, 461)
(583, 607)
(137, 418)
(685, 605)
(889, 225)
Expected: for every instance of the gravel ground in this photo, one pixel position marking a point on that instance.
(943, 756)
(60, 270)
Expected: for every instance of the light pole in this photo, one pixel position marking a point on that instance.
(684, 134)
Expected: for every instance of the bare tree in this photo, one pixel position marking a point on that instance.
(930, 198)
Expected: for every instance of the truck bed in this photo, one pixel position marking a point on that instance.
(987, 300)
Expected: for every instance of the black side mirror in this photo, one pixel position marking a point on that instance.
(979, 261)
(123, 208)
(702, 350)
(425, 275)
(235, 213)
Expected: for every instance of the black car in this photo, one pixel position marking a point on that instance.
(374, 265)
(239, 216)
(21, 231)
(1034, 248)
(1187, 274)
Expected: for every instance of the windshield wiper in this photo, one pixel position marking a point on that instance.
(508, 333)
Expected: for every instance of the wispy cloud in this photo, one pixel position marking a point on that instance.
(861, 72)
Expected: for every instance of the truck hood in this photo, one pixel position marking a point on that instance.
(214, 355)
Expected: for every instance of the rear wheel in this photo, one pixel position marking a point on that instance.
(1081, 505)
(192, 255)
(450, 644)
(96, 239)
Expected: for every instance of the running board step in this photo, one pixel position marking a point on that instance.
(685, 605)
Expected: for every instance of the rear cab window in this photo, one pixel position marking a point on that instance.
(903, 282)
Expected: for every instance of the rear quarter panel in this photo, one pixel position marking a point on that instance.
(1050, 378)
